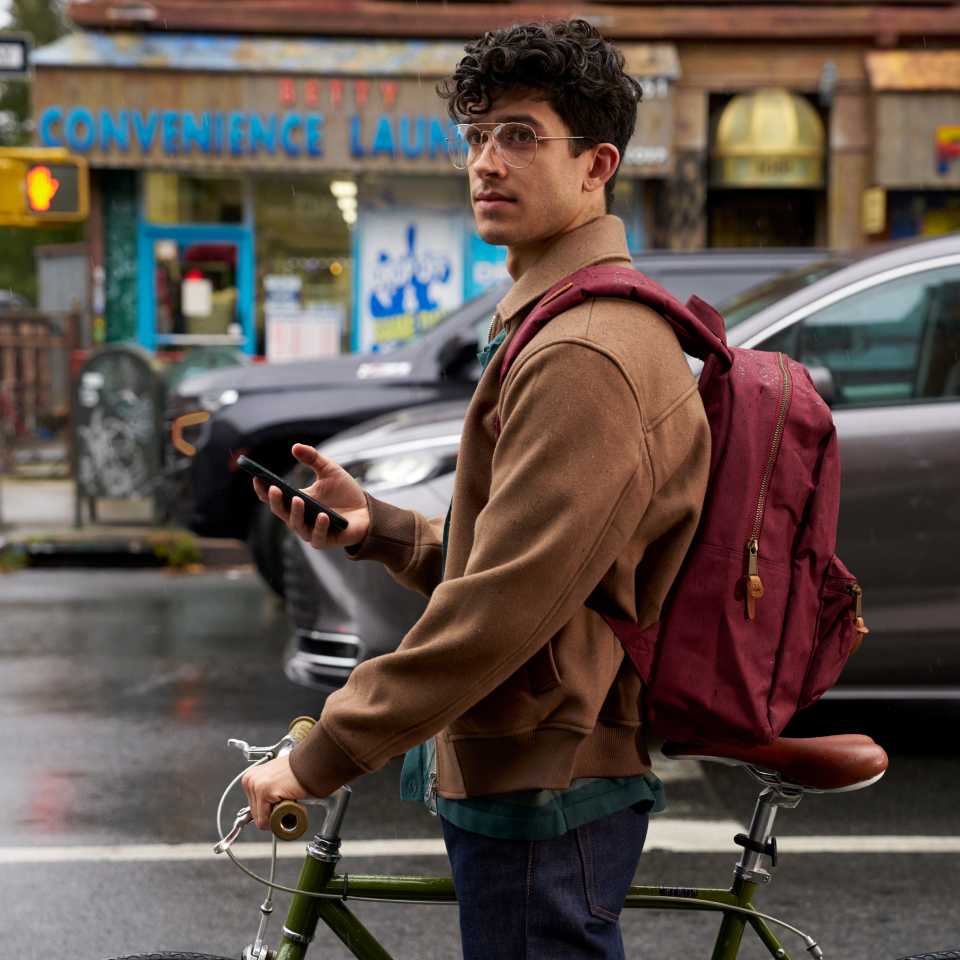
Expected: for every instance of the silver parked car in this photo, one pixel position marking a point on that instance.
(881, 337)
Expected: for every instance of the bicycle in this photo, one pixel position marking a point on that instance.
(787, 770)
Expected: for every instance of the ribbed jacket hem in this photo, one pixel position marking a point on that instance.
(543, 759)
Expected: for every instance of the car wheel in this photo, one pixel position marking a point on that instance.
(266, 538)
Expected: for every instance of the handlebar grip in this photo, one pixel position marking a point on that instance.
(288, 820)
(300, 727)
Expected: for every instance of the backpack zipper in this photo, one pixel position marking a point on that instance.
(858, 621)
(754, 585)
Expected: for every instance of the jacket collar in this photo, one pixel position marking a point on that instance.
(598, 241)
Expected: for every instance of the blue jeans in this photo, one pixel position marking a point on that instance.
(556, 899)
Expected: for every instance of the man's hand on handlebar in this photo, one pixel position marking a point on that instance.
(333, 487)
(267, 784)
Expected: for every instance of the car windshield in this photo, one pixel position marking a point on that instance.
(754, 299)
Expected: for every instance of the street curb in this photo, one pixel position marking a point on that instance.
(129, 548)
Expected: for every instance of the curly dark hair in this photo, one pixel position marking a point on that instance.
(568, 63)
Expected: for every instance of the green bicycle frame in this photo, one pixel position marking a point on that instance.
(736, 905)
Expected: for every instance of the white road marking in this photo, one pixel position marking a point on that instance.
(666, 833)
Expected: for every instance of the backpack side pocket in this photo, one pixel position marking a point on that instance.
(839, 631)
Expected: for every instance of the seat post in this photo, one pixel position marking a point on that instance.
(760, 841)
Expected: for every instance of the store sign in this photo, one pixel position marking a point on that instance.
(411, 274)
(177, 133)
(185, 120)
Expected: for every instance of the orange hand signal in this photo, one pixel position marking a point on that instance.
(41, 188)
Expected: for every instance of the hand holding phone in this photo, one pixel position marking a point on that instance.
(311, 508)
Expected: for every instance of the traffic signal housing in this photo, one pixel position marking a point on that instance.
(42, 186)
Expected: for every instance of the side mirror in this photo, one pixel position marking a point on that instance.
(824, 384)
(456, 356)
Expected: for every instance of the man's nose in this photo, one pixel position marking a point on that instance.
(489, 161)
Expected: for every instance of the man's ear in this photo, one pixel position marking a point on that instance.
(606, 159)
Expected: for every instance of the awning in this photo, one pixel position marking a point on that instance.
(769, 138)
(905, 70)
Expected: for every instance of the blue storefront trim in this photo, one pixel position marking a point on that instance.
(240, 236)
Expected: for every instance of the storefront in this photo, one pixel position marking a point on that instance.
(767, 166)
(916, 174)
(293, 197)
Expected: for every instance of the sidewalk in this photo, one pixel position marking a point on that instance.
(37, 518)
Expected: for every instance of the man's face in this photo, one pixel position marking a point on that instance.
(517, 207)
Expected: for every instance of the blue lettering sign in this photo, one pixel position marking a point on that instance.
(50, 117)
(80, 129)
(170, 136)
(263, 133)
(195, 133)
(290, 124)
(115, 131)
(383, 137)
(315, 123)
(356, 140)
(238, 134)
(416, 148)
(145, 129)
(438, 137)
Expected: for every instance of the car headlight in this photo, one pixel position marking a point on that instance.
(212, 402)
(401, 469)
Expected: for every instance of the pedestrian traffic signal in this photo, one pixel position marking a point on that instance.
(42, 186)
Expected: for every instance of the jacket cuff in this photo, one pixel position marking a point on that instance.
(391, 538)
(321, 765)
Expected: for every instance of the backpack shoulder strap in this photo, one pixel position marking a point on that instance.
(698, 327)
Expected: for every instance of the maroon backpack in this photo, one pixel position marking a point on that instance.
(763, 615)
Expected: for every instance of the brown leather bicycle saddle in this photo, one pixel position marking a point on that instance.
(845, 761)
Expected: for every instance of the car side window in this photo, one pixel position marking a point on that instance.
(897, 342)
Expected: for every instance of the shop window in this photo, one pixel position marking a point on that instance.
(930, 213)
(174, 198)
(195, 288)
(304, 263)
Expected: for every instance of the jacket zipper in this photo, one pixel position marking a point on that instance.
(754, 585)
(493, 321)
(430, 797)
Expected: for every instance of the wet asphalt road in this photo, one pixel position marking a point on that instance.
(119, 689)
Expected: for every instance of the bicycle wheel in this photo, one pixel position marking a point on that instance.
(171, 956)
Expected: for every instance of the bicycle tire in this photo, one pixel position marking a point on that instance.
(172, 956)
(942, 955)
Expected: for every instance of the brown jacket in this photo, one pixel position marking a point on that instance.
(595, 483)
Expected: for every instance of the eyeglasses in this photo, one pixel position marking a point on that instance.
(515, 142)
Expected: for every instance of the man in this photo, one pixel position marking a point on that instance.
(581, 480)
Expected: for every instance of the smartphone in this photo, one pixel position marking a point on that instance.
(311, 508)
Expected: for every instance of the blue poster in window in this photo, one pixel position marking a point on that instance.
(411, 274)
(486, 265)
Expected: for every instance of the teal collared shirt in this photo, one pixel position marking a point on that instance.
(524, 814)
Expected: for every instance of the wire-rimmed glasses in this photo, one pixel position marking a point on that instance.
(514, 141)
